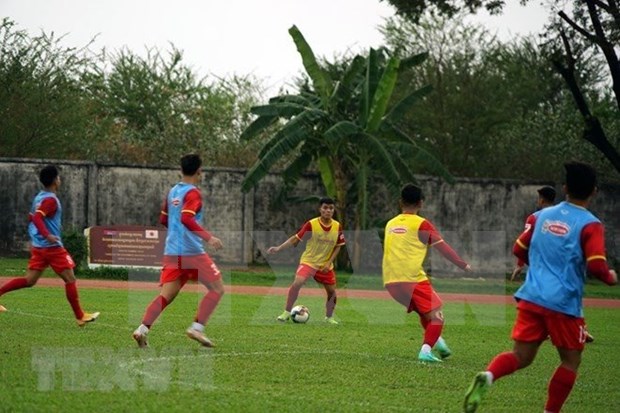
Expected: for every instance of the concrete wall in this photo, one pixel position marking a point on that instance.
(480, 218)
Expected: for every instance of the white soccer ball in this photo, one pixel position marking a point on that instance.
(300, 314)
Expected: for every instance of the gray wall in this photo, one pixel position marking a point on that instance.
(480, 218)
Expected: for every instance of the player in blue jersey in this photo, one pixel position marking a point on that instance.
(564, 243)
(44, 229)
(184, 255)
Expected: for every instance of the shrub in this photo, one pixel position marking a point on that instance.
(75, 242)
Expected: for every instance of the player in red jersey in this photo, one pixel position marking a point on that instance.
(44, 228)
(184, 255)
(546, 198)
(564, 243)
(324, 238)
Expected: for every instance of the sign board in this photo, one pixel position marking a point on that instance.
(125, 246)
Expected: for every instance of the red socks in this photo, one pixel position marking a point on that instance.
(14, 284)
(503, 364)
(206, 307)
(432, 330)
(154, 310)
(73, 298)
(560, 386)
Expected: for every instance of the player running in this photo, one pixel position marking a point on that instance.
(184, 255)
(407, 238)
(564, 242)
(44, 229)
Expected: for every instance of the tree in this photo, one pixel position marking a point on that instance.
(346, 128)
(43, 107)
(594, 22)
(495, 105)
(155, 110)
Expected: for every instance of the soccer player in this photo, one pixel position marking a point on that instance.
(324, 239)
(44, 229)
(564, 242)
(407, 238)
(184, 255)
(546, 198)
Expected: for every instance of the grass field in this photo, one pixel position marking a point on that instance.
(366, 364)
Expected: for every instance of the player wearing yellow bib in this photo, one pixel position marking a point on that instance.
(407, 238)
(324, 238)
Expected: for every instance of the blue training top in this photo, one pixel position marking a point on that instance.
(557, 267)
(53, 224)
(180, 240)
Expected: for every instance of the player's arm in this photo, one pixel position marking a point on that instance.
(529, 223)
(191, 205)
(522, 244)
(293, 241)
(429, 235)
(163, 214)
(593, 246)
(47, 208)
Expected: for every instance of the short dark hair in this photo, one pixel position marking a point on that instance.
(547, 193)
(411, 194)
(326, 200)
(48, 174)
(190, 164)
(580, 179)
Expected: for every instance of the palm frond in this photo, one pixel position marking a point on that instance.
(283, 110)
(257, 126)
(320, 78)
(382, 95)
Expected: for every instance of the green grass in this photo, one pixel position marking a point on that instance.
(282, 277)
(366, 364)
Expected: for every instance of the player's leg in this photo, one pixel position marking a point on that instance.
(169, 290)
(211, 278)
(330, 303)
(36, 265)
(301, 276)
(429, 306)
(61, 262)
(568, 335)
(563, 379)
(328, 280)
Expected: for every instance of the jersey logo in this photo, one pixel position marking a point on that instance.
(557, 228)
(176, 202)
(398, 230)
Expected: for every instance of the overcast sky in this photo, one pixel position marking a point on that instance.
(230, 36)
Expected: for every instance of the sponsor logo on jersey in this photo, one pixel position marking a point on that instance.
(557, 228)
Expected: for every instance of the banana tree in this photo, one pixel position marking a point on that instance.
(345, 128)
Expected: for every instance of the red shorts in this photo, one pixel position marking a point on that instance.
(189, 267)
(419, 297)
(535, 323)
(327, 277)
(56, 257)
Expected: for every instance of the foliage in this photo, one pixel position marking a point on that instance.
(343, 122)
(69, 103)
(497, 109)
(590, 24)
(43, 108)
(75, 243)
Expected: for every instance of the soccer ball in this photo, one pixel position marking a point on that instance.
(300, 314)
